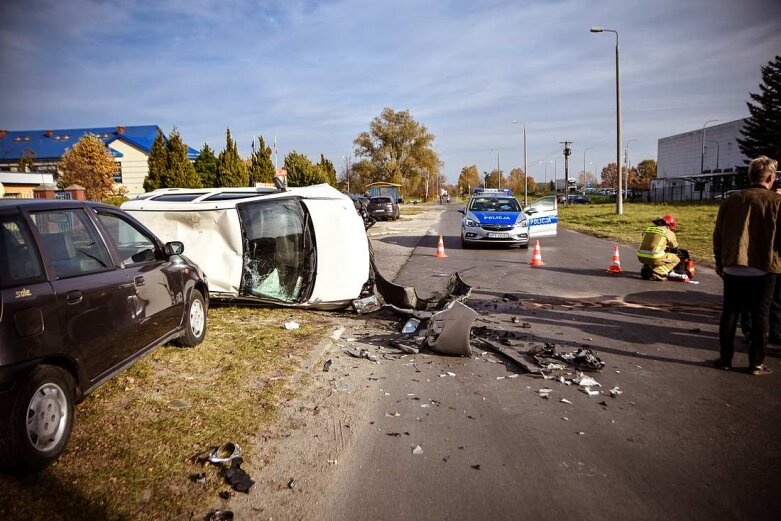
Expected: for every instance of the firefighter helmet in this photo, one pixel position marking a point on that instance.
(668, 220)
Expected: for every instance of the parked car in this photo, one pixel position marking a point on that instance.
(85, 291)
(579, 199)
(300, 247)
(383, 208)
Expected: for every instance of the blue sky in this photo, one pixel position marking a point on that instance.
(315, 73)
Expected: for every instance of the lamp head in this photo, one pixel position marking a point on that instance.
(597, 29)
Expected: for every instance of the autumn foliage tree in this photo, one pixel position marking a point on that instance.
(469, 179)
(609, 179)
(89, 164)
(399, 150)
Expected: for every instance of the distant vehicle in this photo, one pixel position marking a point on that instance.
(301, 247)
(494, 216)
(85, 291)
(383, 208)
(579, 199)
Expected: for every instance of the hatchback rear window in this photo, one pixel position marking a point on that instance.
(19, 261)
(381, 200)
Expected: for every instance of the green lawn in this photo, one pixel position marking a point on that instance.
(695, 223)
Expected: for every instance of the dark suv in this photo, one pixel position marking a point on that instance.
(383, 208)
(85, 291)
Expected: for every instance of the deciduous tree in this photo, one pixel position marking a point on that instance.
(399, 149)
(516, 181)
(762, 131)
(646, 172)
(609, 179)
(469, 179)
(88, 163)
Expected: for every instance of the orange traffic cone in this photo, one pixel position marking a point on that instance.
(440, 254)
(536, 259)
(615, 264)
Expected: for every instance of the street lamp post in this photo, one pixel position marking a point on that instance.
(628, 165)
(584, 167)
(499, 171)
(347, 163)
(702, 144)
(525, 167)
(619, 202)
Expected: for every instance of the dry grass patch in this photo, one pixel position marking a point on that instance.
(695, 223)
(128, 455)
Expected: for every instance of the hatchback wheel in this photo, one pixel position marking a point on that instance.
(194, 321)
(41, 421)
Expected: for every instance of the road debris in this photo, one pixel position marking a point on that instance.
(564, 400)
(291, 484)
(544, 392)
(219, 515)
(615, 392)
(227, 457)
(291, 325)
(336, 334)
(410, 326)
(327, 365)
(368, 304)
(417, 450)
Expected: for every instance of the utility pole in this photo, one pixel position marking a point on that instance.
(567, 152)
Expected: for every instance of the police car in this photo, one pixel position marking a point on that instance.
(494, 216)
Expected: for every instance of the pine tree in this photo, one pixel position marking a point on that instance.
(89, 164)
(230, 168)
(328, 170)
(261, 168)
(762, 131)
(301, 171)
(181, 172)
(158, 163)
(206, 166)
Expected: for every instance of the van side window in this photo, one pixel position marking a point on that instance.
(134, 245)
(71, 242)
(19, 260)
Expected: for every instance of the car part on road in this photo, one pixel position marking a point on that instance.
(410, 326)
(219, 515)
(367, 305)
(327, 365)
(449, 330)
(225, 453)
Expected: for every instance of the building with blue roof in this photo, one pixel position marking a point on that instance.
(130, 147)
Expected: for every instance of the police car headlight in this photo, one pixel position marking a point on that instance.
(471, 222)
(522, 223)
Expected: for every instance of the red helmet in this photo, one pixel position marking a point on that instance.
(670, 221)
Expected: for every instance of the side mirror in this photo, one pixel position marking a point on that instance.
(529, 210)
(174, 248)
(462, 211)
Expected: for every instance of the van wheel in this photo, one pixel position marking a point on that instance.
(41, 420)
(194, 321)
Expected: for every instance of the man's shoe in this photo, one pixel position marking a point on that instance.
(720, 364)
(759, 370)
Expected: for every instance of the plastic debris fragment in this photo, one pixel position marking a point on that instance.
(564, 400)
(615, 391)
(417, 450)
(411, 326)
(589, 391)
(291, 325)
(327, 365)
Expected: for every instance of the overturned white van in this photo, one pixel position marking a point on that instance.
(303, 247)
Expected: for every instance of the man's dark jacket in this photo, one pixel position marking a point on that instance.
(747, 228)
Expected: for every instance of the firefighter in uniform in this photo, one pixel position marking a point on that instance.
(658, 250)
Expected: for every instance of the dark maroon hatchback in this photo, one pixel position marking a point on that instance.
(85, 290)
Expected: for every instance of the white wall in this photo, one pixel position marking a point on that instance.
(681, 155)
(135, 167)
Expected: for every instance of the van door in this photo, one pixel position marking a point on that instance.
(543, 217)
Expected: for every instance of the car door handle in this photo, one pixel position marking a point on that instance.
(74, 297)
(139, 280)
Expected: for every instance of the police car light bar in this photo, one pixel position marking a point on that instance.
(505, 191)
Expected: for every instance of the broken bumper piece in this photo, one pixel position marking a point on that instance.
(448, 330)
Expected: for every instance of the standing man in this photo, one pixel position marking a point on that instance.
(746, 251)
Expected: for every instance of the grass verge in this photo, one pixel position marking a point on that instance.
(128, 456)
(695, 224)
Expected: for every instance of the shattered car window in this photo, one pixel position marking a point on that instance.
(276, 264)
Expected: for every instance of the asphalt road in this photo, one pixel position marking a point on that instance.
(683, 441)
